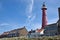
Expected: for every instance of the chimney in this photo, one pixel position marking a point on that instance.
(59, 12)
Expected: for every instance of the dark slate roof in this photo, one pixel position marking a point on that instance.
(32, 31)
(49, 25)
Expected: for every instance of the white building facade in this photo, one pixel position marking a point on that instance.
(51, 30)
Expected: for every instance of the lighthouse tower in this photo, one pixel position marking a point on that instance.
(44, 17)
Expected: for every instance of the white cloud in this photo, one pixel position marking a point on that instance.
(30, 15)
(4, 24)
(8, 25)
(33, 17)
(29, 8)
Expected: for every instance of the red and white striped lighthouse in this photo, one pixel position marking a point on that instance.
(44, 17)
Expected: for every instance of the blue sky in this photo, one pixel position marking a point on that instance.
(18, 13)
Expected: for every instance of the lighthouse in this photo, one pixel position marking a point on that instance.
(44, 16)
(44, 19)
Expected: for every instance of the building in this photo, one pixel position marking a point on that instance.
(21, 32)
(35, 33)
(46, 30)
(59, 21)
(53, 29)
